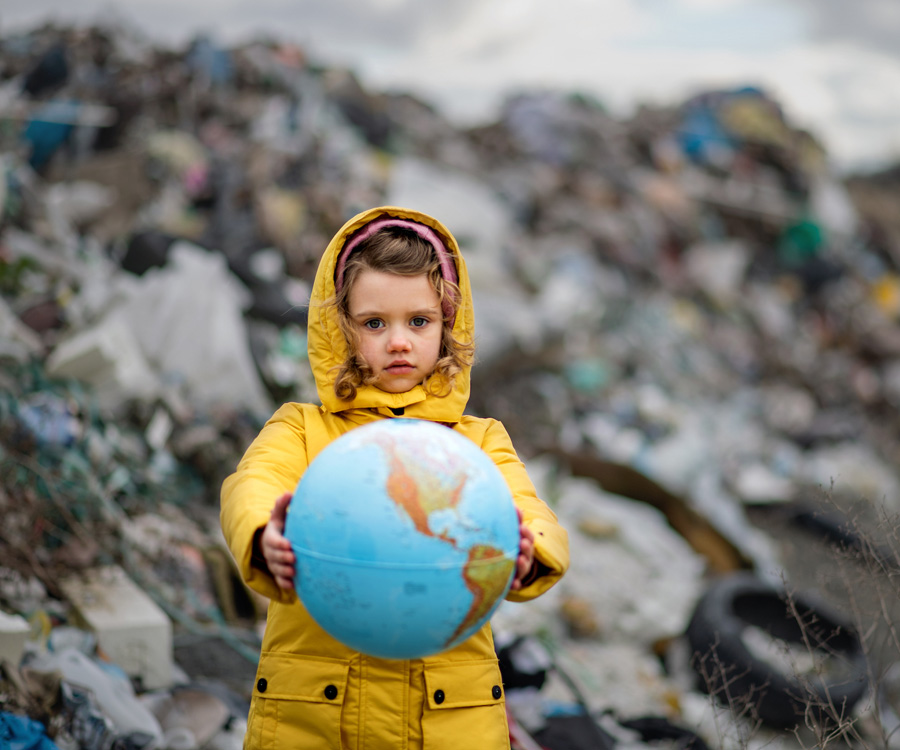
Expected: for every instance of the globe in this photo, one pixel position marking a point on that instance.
(405, 536)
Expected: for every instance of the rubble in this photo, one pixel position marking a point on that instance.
(686, 321)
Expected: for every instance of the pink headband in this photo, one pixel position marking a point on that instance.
(448, 270)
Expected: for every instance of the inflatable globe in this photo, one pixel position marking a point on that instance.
(406, 538)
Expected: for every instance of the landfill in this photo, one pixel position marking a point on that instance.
(688, 323)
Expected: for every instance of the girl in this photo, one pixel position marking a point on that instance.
(390, 334)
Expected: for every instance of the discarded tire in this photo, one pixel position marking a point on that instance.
(757, 653)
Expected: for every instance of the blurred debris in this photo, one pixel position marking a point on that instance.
(686, 321)
(130, 628)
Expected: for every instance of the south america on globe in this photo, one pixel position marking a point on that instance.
(405, 536)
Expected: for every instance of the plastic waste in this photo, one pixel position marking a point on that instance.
(142, 342)
(718, 269)
(48, 421)
(190, 716)
(50, 71)
(22, 733)
(48, 131)
(97, 695)
(211, 62)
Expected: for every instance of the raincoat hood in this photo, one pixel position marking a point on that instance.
(328, 347)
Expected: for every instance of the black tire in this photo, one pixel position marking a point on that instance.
(730, 671)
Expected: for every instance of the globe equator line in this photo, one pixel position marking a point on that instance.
(399, 565)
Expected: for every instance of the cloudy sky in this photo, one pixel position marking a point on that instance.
(834, 65)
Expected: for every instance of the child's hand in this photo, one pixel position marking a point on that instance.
(275, 548)
(526, 554)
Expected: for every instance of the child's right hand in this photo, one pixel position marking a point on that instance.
(274, 546)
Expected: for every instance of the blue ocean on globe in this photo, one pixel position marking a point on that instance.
(406, 538)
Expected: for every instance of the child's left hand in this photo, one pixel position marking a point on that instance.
(526, 554)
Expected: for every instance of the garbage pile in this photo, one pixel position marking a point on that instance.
(686, 321)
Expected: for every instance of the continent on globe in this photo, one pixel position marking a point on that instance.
(417, 487)
(485, 583)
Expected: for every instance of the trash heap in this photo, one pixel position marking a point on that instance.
(687, 322)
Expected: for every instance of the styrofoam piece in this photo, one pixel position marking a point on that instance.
(107, 357)
(132, 631)
(14, 632)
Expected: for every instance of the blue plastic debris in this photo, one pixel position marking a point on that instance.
(22, 733)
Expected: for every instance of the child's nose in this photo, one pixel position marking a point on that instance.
(399, 342)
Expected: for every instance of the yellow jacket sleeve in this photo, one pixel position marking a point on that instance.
(551, 541)
(271, 466)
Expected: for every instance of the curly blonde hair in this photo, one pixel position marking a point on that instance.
(399, 251)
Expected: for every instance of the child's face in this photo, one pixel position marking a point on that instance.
(400, 326)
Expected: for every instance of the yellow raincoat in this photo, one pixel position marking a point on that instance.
(311, 691)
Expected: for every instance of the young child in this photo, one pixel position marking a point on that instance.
(390, 335)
